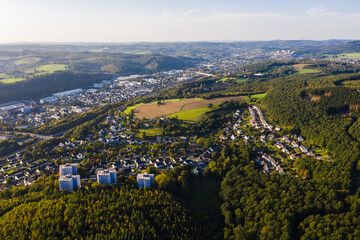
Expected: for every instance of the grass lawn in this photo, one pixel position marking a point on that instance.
(191, 115)
(241, 80)
(205, 192)
(26, 61)
(223, 79)
(50, 68)
(4, 75)
(128, 109)
(260, 95)
(12, 80)
(299, 69)
(152, 131)
(344, 55)
(304, 71)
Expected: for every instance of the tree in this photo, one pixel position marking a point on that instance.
(210, 105)
(142, 135)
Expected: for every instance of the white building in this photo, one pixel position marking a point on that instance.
(69, 182)
(48, 100)
(68, 93)
(107, 176)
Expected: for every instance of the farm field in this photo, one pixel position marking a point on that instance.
(299, 69)
(260, 95)
(187, 109)
(344, 55)
(192, 115)
(4, 75)
(50, 68)
(26, 61)
(237, 80)
(152, 131)
(11, 80)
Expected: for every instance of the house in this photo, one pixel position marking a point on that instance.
(223, 137)
(310, 154)
(286, 151)
(292, 156)
(294, 144)
(279, 145)
(80, 157)
(303, 149)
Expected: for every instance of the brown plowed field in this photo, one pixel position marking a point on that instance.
(205, 103)
(152, 110)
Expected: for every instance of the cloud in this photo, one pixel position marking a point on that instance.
(234, 16)
(323, 12)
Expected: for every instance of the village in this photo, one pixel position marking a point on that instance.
(116, 146)
(274, 151)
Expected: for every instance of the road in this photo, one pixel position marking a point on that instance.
(39, 136)
(43, 137)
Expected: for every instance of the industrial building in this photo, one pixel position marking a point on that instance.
(48, 100)
(145, 180)
(107, 176)
(11, 107)
(68, 93)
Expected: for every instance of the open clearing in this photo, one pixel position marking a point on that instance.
(50, 68)
(344, 55)
(205, 103)
(299, 69)
(178, 107)
(260, 95)
(152, 131)
(12, 80)
(26, 61)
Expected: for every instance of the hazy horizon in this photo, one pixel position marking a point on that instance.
(110, 21)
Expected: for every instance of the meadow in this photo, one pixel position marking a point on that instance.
(186, 109)
(299, 69)
(11, 80)
(355, 55)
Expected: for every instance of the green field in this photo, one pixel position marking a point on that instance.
(343, 55)
(304, 71)
(50, 68)
(26, 61)
(192, 115)
(152, 131)
(12, 80)
(260, 95)
(4, 75)
(240, 80)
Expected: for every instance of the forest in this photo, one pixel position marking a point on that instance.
(323, 202)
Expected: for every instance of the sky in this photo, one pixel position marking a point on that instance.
(177, 20)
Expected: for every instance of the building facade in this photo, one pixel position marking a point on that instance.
(68, 169)
(69, 182)
(107, 176)
(145, 180)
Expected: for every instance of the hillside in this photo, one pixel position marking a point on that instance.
(29, 75)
